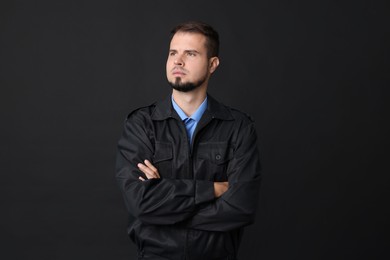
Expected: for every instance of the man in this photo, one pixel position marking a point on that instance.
(188, 166)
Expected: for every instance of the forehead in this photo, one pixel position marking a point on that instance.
(188, 40)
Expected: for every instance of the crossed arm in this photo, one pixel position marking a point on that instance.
(202, 204)
(151, 172)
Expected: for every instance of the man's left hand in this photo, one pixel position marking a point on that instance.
(150, 171)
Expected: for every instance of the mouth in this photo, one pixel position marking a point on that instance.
(178, 72)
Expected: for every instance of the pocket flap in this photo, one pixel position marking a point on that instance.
(217, 153)
(162, 152)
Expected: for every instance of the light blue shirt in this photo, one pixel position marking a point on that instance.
(195, 116)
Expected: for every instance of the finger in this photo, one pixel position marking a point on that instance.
(145, 170)
(148, 172)
(142, 179)
(151, 166)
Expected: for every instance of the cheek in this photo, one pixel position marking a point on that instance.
(202, 70)
(167, 67)
(167, 64)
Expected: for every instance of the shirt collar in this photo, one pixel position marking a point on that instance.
(163, 109)
(196, 115)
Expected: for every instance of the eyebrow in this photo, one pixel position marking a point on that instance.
(173, 50)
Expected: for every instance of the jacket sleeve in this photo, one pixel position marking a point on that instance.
(237, 206)
(154, 201)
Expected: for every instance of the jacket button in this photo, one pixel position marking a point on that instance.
(218, 157)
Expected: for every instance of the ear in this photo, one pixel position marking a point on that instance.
(213, 64)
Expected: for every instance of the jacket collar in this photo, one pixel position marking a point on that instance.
(163, 109)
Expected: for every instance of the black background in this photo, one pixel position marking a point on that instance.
(314, 76)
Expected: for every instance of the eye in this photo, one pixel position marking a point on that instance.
(171, 53)
(191, 54)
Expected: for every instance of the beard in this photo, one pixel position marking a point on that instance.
(186, 87)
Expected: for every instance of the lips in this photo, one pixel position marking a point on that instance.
(178, 71)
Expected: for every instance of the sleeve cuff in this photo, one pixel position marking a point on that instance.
(204, 191)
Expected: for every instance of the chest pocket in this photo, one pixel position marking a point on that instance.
(162, 159)
(213, 159)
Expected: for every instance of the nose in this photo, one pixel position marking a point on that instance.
(178, 61)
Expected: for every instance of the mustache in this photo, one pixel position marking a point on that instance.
(179, 69)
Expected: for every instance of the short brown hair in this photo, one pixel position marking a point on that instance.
(212, 37)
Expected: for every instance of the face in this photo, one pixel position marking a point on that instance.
(188, 66)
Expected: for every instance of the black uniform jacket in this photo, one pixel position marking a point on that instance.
(177, 216)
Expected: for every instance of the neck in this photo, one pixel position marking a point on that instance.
(189, 102)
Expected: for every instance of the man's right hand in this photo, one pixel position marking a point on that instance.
(220, 188)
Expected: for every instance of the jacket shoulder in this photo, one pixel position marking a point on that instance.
(144, 111)
(241, 116)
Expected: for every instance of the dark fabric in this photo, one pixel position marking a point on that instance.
(177, 216)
